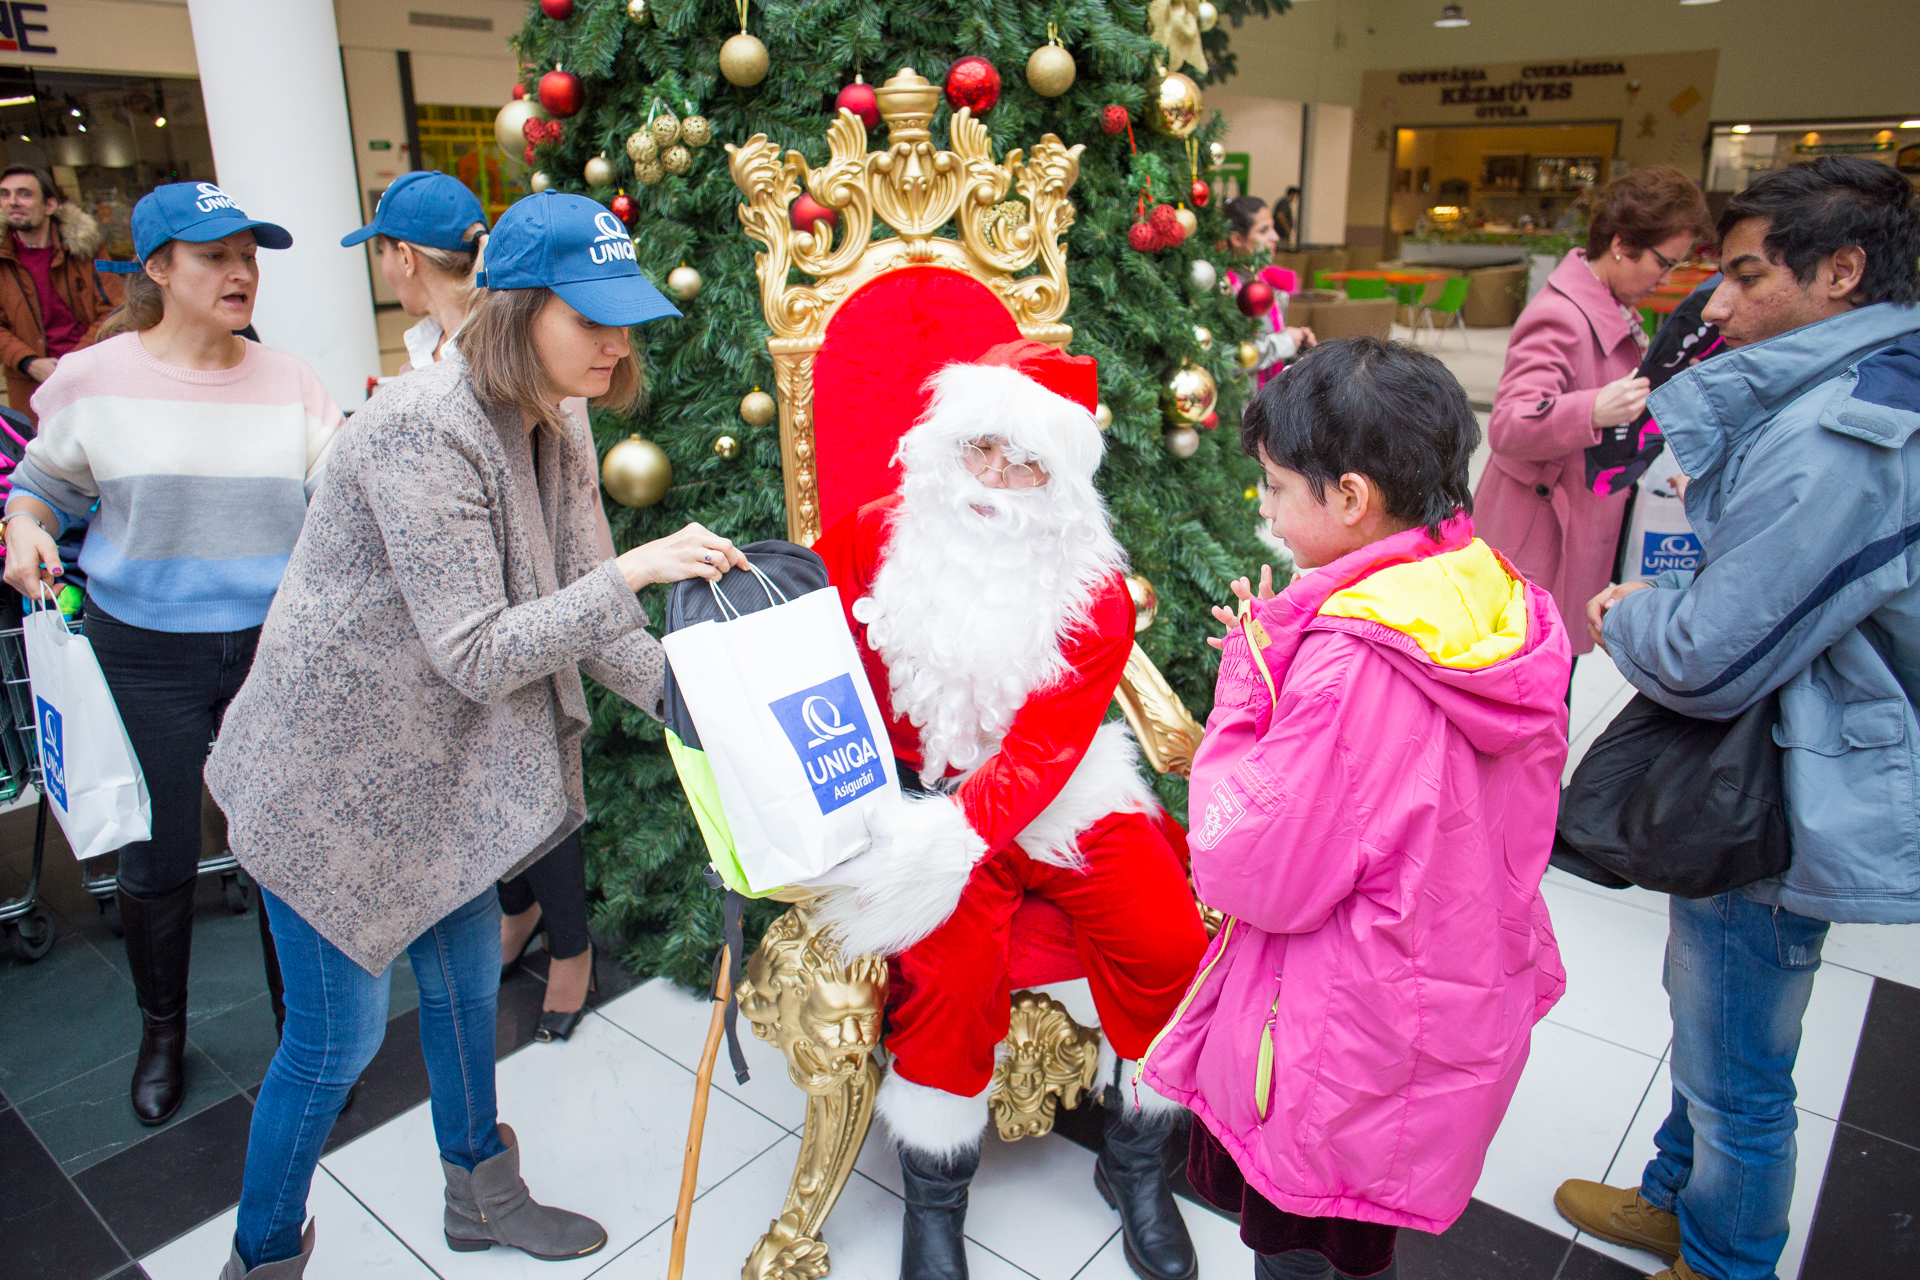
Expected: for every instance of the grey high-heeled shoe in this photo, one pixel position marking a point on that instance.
(490, 1205)
(286, 1269)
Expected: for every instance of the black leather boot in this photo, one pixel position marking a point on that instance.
(159, 947)
(933, 1242)
(1132, 1176)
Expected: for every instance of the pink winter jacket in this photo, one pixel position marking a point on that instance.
(1377, 841)
(1533, 505)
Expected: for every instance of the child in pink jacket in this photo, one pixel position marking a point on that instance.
(1373, 806)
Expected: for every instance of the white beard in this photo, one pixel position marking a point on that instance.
(969, 611)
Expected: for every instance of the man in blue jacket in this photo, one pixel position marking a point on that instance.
(1805, 494)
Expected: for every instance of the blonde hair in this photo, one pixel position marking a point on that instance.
(457, 265)
(497, 344)
(146, 303)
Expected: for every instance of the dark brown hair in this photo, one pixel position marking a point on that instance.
(48, 191)
(1645, 207)
(145, 304)
(497, 342)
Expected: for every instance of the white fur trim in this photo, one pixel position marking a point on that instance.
(931, 1121)
(998, 401)
(907, 881)
(1107, 780)
(1139, 1099)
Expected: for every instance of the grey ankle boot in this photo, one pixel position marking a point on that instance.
(286, 1269)
(491, 1205)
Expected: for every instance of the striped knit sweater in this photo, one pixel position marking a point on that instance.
(194, 483)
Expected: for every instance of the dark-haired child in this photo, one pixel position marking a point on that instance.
(1373, 806)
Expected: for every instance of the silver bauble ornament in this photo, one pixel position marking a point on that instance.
(676, 159)
(1217, 152)
(1207, 17)
(684, 283)
(696, 131)
(757, 408)
(1203, 336)
(1182, 442)
(1201, 275)
(509, 126)
(637, 12)
(1102, 416)
(538, 182)
(599, 172)
(636, 472)
(1188, 223)
(664, 128)
(641, 147)
(1050, 71)
(743, 60)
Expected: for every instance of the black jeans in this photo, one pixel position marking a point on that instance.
(1305, 1264)
(558, 882)
(172, 688)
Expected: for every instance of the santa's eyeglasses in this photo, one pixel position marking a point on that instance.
(978, 460)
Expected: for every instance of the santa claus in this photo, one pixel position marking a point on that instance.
(988, 602)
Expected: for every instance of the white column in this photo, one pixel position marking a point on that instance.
(277, 115)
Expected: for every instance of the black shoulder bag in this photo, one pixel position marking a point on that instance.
(1676, 804)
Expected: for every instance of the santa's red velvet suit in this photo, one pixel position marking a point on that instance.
(995, 625)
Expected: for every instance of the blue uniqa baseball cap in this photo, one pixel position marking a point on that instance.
(195, 212)
(423, 207)
(575, 247)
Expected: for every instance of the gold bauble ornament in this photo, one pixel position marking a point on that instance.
(1103, 416)
(599, 172)
(1189, 395)
(538, 182)
(1146, 601)
(743, 60)
(684, 283)
(641, 147)
(510, 124)
(664, 128)
(1175, 107)
(1050, 70)
(676, 159)
(637, 12)
(648, 172)
(1249, 355)
(1182, 442)
(636, 472)
(696, 131)
(1206, 17)
(1217, 152)
(727, 447)
(757, 408)
(1203, 336)
(1188, 223)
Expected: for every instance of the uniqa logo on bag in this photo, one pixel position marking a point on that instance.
(828, 729)
(1664, 551)
(53, 752)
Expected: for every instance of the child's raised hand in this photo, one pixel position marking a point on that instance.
(1242, 591)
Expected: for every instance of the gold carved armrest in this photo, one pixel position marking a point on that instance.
(1168, 734)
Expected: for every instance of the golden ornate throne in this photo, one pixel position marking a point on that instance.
(852, 348)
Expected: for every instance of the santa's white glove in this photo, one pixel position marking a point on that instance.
(906, 879)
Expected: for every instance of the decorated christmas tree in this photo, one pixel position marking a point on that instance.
(637, 102)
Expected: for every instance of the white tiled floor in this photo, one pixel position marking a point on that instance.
(603, 1121)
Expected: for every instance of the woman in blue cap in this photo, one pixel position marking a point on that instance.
(190, 455)
(411, 730)
(428, 230)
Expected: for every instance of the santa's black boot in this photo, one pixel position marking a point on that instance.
(1132, 1176)
(933, 1243)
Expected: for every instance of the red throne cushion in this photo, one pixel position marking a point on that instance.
(869, 379)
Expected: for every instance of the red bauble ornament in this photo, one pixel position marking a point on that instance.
(1209, 422)
(624, 208)
(806, 211)
(1144, 238)
(561, 93)
(1166, 225)
(1201, 193)
(1114, 119)
(859, 98)
(527, 155)
(519, 92)
(558, 10)
(1255, 298)
(973, 83)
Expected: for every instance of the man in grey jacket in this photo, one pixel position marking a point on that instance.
(1805, 493)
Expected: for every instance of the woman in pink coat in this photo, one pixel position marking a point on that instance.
(1373, 806)
(1571, 371)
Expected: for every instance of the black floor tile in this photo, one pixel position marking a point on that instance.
(46, 1228)
(89, 1118)
(395, 1081)
(1883, 1093)
(1867, 1221)
(1485, 1244)
(175, 1180)
(133, 1272)
(240, 1041)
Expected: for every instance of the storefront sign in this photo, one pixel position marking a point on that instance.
(379, 144)
(17, 29)
(1840, 148)
(1537, 82)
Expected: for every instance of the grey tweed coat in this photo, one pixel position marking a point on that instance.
(411, 728)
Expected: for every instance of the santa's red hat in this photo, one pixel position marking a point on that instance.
(1036, 398)
(1074, 377)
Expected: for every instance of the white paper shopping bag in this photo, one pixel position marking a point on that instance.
(791, 730)
(1660, 537)
(92, 776)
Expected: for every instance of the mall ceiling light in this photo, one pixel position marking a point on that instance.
(25, 100)
(82, 128)
(1688, 2)
(159, 122)
(1910, 124)
(1743, 128)
(1451, 17)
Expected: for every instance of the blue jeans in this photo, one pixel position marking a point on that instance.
(1738, 977)
(336, 1019)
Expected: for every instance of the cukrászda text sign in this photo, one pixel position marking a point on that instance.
(1537, 82)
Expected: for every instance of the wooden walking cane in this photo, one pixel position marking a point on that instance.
(697, 1127)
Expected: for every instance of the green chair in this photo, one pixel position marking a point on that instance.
(1407, 296)
(1450, 303)
(1361, 288)
(1320, 281)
